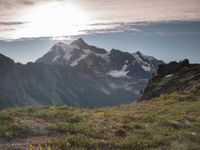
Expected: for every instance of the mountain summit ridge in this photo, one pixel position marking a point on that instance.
(79, 42)
(78, 51)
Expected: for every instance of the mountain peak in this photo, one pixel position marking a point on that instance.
(4, 58)
(5, 62)
(59, 44)
(80, 43)
(138, 53)
(80, 40)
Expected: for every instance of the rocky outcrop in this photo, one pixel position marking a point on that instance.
(175, 76)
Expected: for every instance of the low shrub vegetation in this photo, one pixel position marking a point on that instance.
(169, 122)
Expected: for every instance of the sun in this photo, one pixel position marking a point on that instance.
(54, 19)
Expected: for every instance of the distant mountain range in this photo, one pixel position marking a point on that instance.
(76, 74)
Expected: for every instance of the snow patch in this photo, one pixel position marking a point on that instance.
(124, 67)
(119, 73)
(55, 58)
(146, 68)
(67, 56)
(169, 75)
(138, 59)
(78, 60)
(126, 61)
(105, 91)
(86, 53)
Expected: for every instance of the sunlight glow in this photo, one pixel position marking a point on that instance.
(54, 20)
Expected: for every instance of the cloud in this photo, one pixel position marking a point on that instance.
(6, 29)
(17, 2)
(26, 2)
(111, 27)
(165, 34)
(106, 15)
(144, 10)
(11, 23)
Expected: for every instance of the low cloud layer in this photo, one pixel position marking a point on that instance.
(11, 23)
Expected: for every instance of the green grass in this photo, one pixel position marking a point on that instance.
(168, 122)
(10, 128)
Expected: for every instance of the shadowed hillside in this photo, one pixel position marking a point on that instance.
(172, 77)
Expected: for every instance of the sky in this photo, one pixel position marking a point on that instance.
(168, 30)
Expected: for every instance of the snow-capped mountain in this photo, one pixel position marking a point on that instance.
(70, 54)
(114, 62)
(75, 74)
(119, 75)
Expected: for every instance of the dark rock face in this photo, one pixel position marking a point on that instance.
(75, 74)
(172, 67)
(172, 77)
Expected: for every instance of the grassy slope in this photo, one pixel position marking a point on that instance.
(168, 122)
